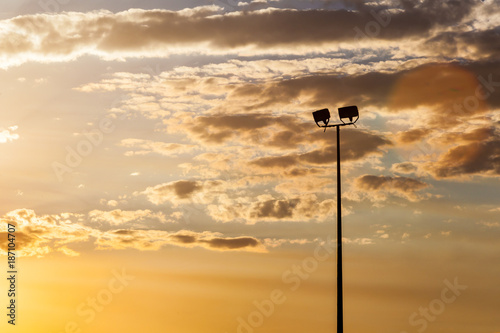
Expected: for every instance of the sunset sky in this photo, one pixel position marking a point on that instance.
(161, 162)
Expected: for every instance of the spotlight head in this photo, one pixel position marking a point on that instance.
(321, 115)
(350, 112)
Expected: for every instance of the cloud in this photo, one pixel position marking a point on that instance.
(40, 235)
(8, 135)
(416, 17)
(219, 128)
(268, 208)
(413, 135)
(215, 242)
(231, 243)
(151, 240)
(302, 172)
(118, 216)
(450, 89)
(325, 89)
(284, 131)
(474, 135)
(274, 134)
(274, 209)
(137, 32)
(45, 234)
(477, 158)
(207, 87)
(381, 186)
(182, 189)
(471, 150)
(145, 147)
(447, 93)
(405, 184)
(404, 167)
(356, 145)
(439, 95)
(466, 44)
(489, 224)
(282, 162)
(23, 242)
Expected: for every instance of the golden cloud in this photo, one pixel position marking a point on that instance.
(39, 235)
(477, 158)
(151, 240)
(118, 216)
(137, 33)
(268, 208)
(42, 235)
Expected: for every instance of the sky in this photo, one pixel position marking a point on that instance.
(163, 171)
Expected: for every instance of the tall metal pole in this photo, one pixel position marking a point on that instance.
(323, 115)
(340, 307)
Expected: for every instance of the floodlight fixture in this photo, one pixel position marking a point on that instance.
(350, 112)
(321, 115)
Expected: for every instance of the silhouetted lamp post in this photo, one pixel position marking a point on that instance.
(323, 115)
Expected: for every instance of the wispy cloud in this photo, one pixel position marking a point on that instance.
(8, 135)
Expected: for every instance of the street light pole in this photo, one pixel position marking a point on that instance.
(324, 116)
(340, 297)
